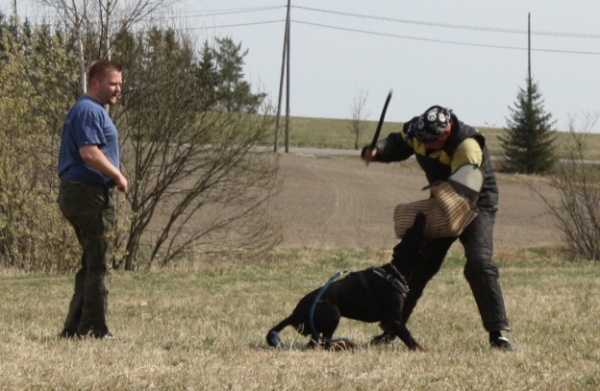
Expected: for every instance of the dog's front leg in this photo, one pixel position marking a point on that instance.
(400, 330)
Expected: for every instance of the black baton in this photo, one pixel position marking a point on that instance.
(380, 124)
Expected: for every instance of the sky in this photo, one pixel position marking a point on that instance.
(470, 56)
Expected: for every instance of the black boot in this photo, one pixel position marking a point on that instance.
(499, 342)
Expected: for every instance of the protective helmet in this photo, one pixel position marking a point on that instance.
(432, 124)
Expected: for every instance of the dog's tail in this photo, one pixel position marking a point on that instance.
(273, 338)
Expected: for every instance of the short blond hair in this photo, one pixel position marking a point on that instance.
(101, 67)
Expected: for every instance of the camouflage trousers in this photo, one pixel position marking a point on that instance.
(90, 209)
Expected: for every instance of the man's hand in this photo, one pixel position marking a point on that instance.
(121, 183)
(94, 157)
(368, 154)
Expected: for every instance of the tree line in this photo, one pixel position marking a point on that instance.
(188, 124)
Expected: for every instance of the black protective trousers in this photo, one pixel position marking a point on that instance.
(480, 271)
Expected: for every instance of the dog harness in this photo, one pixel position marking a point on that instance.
(399, 284)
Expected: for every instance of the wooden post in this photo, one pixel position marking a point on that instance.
(283, 63)
(529, 56)
(287, 88)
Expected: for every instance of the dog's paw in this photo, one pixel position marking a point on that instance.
(420, 348)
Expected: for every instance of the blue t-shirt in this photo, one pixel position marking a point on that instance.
(87, 123)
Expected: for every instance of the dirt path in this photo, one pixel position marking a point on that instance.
(330, 201)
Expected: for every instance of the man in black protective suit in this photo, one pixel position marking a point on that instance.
(442, 144)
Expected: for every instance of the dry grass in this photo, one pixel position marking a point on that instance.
(202, 327)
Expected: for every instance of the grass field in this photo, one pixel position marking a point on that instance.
(335, 133)
(203, 326)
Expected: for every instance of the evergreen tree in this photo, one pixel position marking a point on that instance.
(233, 92)
(529, 138)
(207, 78)
(3, 29)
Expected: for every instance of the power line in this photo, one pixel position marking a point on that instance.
(232, 11)
(433, 40)
(491, 29)
(233, 25)
(453, 26)
(440, 40)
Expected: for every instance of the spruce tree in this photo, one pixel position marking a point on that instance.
(233, 92)
(529, 139)
(207, 78)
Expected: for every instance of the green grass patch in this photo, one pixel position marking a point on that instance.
(336, 133)
(202, 326)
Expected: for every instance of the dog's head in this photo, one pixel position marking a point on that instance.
(409, 252)
(414, 237)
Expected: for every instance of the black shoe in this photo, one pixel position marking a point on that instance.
(100, 333)
(501, 343)
(108, 337)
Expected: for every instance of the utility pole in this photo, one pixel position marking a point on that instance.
(287, 87)
(285, 70)
(529, 52)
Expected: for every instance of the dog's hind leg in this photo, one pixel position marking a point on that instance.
(322, 323)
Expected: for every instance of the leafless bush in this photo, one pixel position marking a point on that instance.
(576, 213)
(359, 116)
(197, 181)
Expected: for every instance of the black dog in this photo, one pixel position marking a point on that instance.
(371, 295)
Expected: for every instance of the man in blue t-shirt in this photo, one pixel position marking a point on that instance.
(89, 170)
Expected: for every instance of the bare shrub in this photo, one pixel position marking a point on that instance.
(358, 116)
(197, 181)
(576, 213)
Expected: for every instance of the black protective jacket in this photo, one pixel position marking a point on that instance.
(396, 147)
